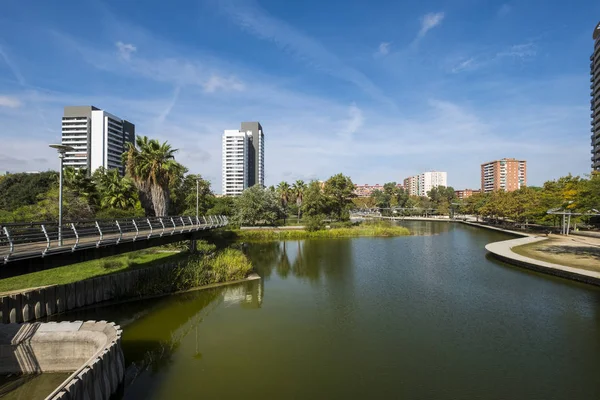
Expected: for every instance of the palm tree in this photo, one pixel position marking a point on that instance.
(298, 189)
(81, 184)
(118, 192)
(152, 167)
(283, 190)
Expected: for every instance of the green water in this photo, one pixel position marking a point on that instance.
(419, 317)
(29, 387)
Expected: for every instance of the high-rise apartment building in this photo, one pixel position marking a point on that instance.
(411, 185)
(243, 158)
(420, 185)
(98, 138)
(507, 174)
(595, 87)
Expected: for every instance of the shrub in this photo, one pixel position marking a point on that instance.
(110, 264)
(315, 223)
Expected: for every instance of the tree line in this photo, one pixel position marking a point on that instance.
(526, 205)
(155, 184)
(395, 198)
(531, 204)
(314, 202)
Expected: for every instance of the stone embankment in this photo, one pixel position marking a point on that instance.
(90, 350)
(33, 304)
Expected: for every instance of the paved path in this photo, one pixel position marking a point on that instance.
(503, 251)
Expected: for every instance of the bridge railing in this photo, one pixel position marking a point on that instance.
(35, 239)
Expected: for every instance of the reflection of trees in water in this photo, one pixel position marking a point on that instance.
(308, 259)
(155, 328)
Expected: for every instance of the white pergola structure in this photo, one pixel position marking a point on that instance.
(566, 217)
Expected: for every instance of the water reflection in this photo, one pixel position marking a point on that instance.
(309, 259)
(426, 228)
(155, 328)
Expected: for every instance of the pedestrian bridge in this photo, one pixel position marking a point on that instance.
(31, 245)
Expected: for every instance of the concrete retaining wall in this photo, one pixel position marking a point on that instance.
(33, 304)
(90, 350)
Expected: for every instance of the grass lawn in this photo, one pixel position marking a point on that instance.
(372, 230)
(88, 269)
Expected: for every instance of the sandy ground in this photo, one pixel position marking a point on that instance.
(572, 251)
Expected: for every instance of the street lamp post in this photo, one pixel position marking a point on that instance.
(62, 149)
(197, 198)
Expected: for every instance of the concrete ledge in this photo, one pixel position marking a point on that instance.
(91, 350)
(503, 251)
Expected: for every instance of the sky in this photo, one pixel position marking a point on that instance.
(377, 90)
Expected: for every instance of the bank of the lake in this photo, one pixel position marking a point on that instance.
(363, 230)
(424, 316)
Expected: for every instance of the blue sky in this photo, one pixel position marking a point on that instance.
(378, 90)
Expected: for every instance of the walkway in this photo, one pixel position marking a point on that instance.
(503, 251)
(41, 239)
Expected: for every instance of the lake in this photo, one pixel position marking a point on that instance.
(429, 316)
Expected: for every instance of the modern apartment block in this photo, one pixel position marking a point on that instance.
(595, 102)
(466, 193)
(98, 137)
(420, 185)
(243, 158)
(507, 174)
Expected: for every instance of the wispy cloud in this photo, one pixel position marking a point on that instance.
(258, 22)
(216, 82)
(430, 21)
(180, 72)
(465, 65)
(9, 101)
(504, 10)
(519, 52)
(125, 50)
(13, 67)
(354, 123)
(384, 49)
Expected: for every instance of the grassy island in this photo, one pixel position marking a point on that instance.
(366, 230)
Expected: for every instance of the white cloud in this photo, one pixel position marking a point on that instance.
(522, 51)
(9, 101)
(216, 82)
(430, 21)
(354, 122)
(125, 50)
(384, 48)
(258, 22)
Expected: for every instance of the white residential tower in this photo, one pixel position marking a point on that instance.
(98, 137)
(243, 158)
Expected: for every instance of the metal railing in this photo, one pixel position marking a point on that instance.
(38, 239)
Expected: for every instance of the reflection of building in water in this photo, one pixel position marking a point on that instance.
(248, 295)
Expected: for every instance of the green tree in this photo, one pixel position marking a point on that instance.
(340, 190)
(256, 205)
(117, 192)
(314, 202)
(184, 196)
(18, 190)
(298, 189)
(153, 168)
(223, 205)
(381, 199)
(283, 192)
